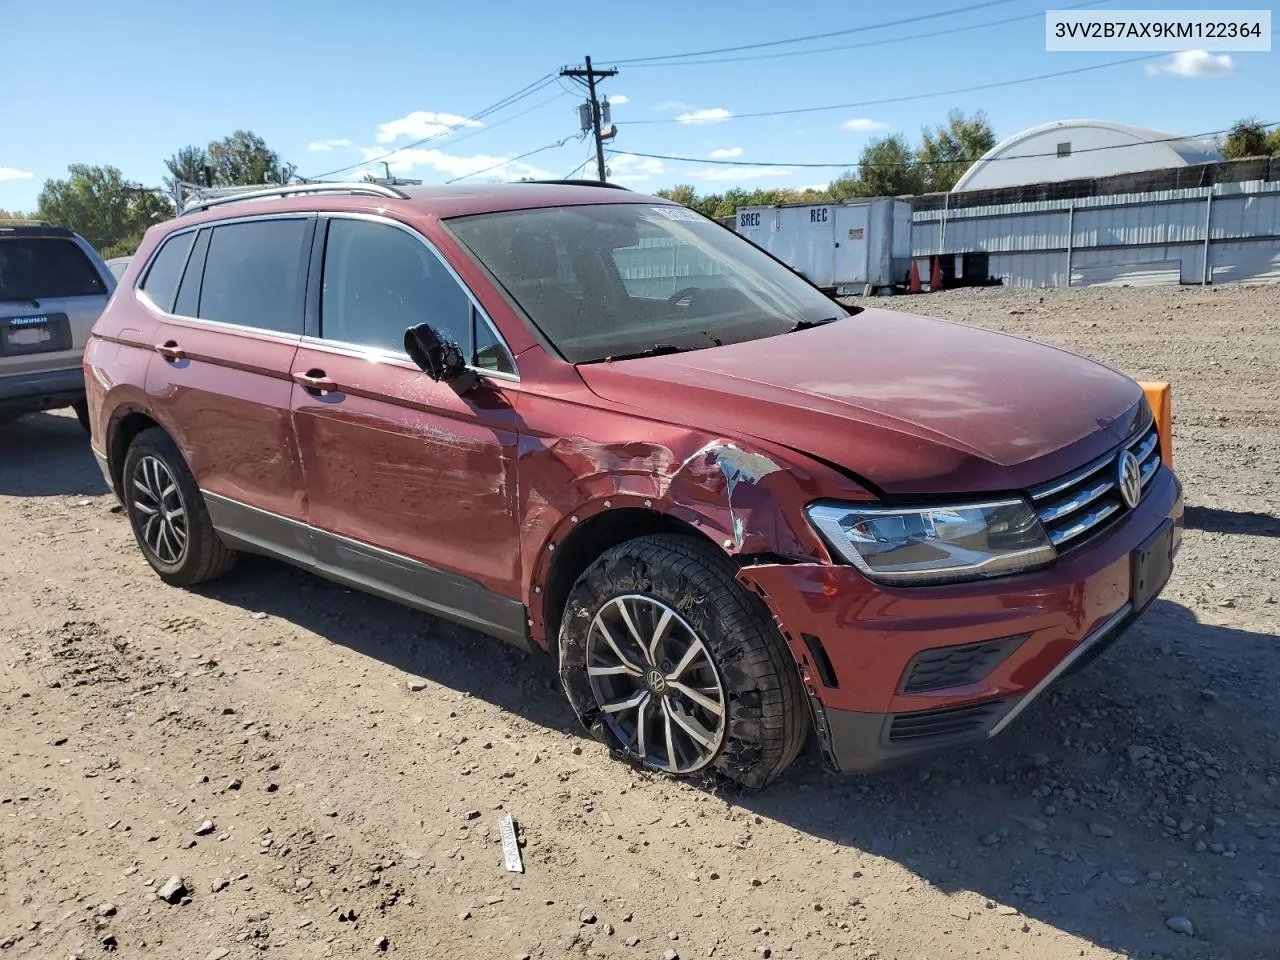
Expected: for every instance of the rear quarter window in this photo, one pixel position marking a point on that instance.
(43, 268)
(161, 283)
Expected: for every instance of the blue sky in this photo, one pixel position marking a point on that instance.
(329, 84)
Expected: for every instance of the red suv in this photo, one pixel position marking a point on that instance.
(595, 423)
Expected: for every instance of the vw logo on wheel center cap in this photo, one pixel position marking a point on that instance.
(1129, 478)
(656, 682)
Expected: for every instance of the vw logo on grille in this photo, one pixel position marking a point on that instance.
(1129, 478)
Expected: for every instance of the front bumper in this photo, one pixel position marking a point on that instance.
(895, 672)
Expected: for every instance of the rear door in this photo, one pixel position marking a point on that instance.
(230, 299)
(51, 292)
(410, 486)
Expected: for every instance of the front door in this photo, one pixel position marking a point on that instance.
(410, 486)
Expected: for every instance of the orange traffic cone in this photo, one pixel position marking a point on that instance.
(935, 277)
(914, 285)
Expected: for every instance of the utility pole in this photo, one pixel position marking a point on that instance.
(601, 135)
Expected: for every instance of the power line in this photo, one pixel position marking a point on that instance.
(550, 146)
(926, 96)
(922, 163)
(522, 93)
(515, 116)
(875, 43)
(815, 36)
(574, 172)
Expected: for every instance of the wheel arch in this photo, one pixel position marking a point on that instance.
(125, 425)
(587, 538)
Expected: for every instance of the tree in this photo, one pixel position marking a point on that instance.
(887, 168)
(244, 159)
(946, 152)
(681, 193)
(104, 208)
(843, 187)
(188, 165)
(13, 215)
(1247, 138)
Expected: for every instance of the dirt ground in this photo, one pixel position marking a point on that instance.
(325, 771)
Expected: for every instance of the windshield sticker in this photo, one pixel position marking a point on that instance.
(676, 213)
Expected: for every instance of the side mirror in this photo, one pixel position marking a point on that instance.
(438, 358)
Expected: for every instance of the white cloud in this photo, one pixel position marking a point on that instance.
(707, 115)
(624, 168)
(864, 125)
(12, 173)
(671, 106)
(619, 99)
(726, 153)
(324, 146)
(739, 173)
(421, 124)
(1193, 63)
(451, 165)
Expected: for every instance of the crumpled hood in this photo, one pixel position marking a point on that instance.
(912, 405)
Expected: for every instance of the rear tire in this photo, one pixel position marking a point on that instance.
(169, 518)
(667, 659)
(81, 407)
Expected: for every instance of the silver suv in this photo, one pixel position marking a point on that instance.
(53, 285)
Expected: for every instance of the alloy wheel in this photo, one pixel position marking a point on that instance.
(656, 684)
(162, 516)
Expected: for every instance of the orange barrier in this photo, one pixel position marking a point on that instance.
(1159, 396)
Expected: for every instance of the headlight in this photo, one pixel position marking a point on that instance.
(913, 545)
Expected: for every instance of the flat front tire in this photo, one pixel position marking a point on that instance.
(667, 659)
(168, 515)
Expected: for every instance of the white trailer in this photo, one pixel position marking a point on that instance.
(841, 246)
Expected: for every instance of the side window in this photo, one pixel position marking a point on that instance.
(490, 354)
(161, 283)
(380, 280)
(188, 303)
(254, 275)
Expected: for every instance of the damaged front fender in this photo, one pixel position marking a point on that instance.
(746, 497)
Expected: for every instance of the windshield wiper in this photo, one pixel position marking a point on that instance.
(657, 350)
(31, 300)
(806, 324)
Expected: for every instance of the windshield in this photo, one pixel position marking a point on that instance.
(625, 279)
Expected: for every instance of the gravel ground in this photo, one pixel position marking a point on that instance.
(323, 772)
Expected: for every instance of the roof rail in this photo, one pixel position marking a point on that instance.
(582, 183)
(358, 188)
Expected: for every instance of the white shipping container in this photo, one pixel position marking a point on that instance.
(840, 246)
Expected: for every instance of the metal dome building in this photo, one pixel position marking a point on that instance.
(1071, 149)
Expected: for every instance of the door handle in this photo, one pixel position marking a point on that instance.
(315, 381)
(170, 350)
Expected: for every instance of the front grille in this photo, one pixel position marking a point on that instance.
(943, 667)
(944, 724)
(1087, 501)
